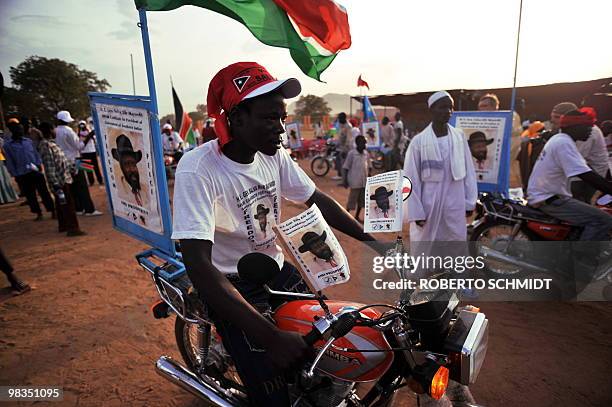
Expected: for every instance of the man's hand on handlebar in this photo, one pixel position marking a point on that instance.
(288, 350)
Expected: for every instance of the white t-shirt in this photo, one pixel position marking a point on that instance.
(595, 152)
(90, 147)
(68, 141)
(171, 142)
(557, 163)
(235, 205)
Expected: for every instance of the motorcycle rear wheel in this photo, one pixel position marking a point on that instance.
(495, 234)
(320, 166)
(186, 335)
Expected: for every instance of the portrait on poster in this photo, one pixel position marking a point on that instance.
(371, 132)
(129, 165)
(383, 202)
(485, 137)
(317, 252)
(292, 131)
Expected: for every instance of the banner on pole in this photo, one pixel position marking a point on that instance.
(384, 194)
(312, 244)
(130, 149)
(488, 136)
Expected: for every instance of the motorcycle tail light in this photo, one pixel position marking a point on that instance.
(467, 343)
(439, 383)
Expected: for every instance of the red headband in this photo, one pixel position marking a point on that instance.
(588, 117)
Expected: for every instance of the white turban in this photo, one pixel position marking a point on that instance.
(437, 96)
(167, 126)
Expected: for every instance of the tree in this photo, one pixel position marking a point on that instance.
(45, 86)
(195, 116)
(202, 108)
(313, 106)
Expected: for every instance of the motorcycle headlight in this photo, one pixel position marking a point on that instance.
(466, 343)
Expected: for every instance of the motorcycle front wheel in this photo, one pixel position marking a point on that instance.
(320, 166)
(188, 338)
(494, 237)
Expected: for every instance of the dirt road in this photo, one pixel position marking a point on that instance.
(87, 326)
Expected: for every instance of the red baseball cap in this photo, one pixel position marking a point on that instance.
(587, 117)
(240, 81)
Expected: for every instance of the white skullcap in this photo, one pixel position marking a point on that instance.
(167, 126)
(437, 96)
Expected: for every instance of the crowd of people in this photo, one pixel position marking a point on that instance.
(214, 215)
(46, 160)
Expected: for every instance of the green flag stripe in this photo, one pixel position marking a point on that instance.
(265, 20)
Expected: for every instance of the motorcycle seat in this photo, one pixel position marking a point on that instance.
(528, 212)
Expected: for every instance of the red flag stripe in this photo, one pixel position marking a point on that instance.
(185, 125)
(323, 20)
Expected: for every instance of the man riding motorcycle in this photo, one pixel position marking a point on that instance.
(172, 143)
(218, 189)
(548, 188)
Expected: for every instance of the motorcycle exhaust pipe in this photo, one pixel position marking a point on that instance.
(177, 374)
(499, 256)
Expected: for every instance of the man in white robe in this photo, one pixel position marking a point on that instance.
(444, 191)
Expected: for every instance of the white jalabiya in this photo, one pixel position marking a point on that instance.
(443, 186)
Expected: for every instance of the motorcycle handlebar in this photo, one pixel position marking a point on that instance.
(312, 337)
(341, 327)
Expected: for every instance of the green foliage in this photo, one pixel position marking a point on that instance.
(43, 86)
(313, 106)
(196, 115)
(202, 108)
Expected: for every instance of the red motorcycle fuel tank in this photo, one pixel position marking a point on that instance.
(549, 231)
(298, 316)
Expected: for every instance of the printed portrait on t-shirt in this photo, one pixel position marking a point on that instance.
(263, 214)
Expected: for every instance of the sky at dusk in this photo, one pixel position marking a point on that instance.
(399, 46)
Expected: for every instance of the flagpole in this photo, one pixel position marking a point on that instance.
(144, 29)
(156, 139)
(518, 37)
(133, 80)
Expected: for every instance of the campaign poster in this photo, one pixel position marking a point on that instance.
(128, 157)
(292, 131)
(383, 202)
(488, 137)
(318, 253)
(371, 132)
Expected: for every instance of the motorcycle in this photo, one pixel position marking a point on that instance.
(170, 165)
(323, 162)
(421, 341)
(377, 158)
(171, 160)
(504, 229)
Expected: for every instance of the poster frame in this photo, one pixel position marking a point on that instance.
(161, 241)
(503, 176)
(370, 147)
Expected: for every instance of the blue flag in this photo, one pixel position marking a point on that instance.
(368, 111)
